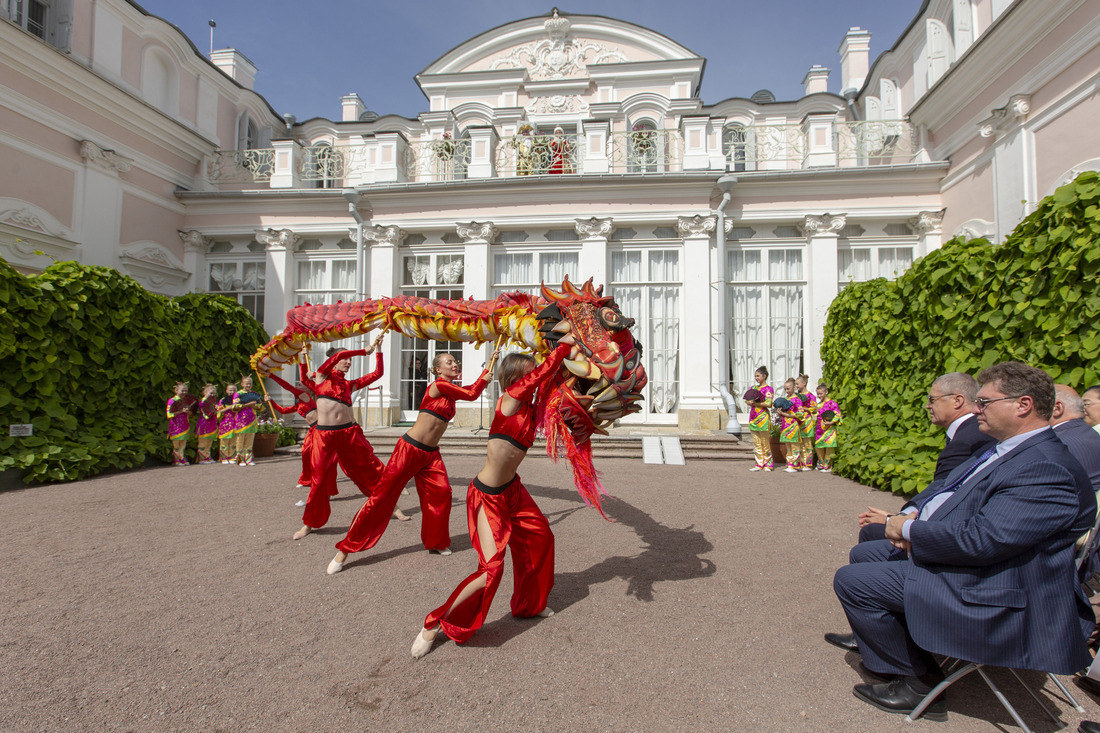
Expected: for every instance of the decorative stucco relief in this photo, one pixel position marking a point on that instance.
(106, 159)
(478, 232)
(557, 56)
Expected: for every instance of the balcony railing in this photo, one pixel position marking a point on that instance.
(818, 143)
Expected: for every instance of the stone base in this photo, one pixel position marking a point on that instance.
(691, 419)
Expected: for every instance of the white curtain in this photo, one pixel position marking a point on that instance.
(254, 275)
(893, 261)
(343, 275)
(744, 265)
(664, 348)
(554, 266)
(785, 325)
(311, 275)
(626, 267)
(748, 349)
(854, 265)
(513, 268)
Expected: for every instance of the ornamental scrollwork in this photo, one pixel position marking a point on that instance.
(558, 56)
(594, 228)
(696, 226)
(477, 232)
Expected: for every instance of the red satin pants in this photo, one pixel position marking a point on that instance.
(306, 479)
(516, 523)
(356, 458)
(432, 486)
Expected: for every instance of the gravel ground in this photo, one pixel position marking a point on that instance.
(173, 599)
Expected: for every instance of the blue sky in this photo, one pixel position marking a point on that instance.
(310, 54)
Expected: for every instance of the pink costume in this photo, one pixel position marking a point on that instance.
(206, 428)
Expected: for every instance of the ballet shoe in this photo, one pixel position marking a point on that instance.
(546, 612)
(334, 566)
(421, 645)
(444, 552)
(302, 533)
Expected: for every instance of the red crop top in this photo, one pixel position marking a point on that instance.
(336, 387)
(304, 403)
(519, 429)
(443, 406)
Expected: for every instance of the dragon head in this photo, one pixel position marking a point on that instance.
(603, 382)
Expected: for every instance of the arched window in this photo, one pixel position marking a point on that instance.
(644, 147)
(739, 148)
(322, 165)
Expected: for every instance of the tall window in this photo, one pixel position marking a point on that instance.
(644, 147)
(765, 307)
(241, 281)
(526, 271)
(31, 15)
(646, 285)
(737, 144)
(433, 276)
(859, 264)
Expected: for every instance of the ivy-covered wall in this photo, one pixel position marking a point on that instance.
(90, 358)
(1033, 299)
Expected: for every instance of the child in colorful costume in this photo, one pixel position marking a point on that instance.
(206, 427)
(791, 412)
(826, 433)
(244, 404)
(416, 455)
(501, 514)
(178, 411)
(338, 436)
(808, 421)
(760, 422)
(227, 426)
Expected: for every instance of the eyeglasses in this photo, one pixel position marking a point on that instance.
(983, 402)
(933, 397)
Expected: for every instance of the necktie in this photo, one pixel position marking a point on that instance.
(923, 498)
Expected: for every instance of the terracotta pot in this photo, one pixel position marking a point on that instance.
(264, 445)
(779, 450)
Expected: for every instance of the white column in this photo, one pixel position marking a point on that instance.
(477, 238)
(700, 404)
(278, 284)
(100, 204)
(594, 234)
(285, 172)
(482, 144)
(595, 147)
(194, 258)
(929, 225)
(384, 281)
(822, 233)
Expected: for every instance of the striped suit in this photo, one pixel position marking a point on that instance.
(990, 577)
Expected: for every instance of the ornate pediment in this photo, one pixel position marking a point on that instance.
(558, 56)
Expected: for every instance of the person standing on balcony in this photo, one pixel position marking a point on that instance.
(561, 152)
(525, 150)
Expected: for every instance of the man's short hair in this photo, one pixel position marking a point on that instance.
(1017, 379)
(1072, 403)
(958, 383)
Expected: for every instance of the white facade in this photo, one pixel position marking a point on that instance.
(552, 146)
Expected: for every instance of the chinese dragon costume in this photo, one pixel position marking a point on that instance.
(587, 394)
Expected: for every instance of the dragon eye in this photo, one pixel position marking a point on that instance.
(610, 318)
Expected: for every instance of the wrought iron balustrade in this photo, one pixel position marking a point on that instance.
(446, 159)
(850, 144)
(645, 151)
(241, 166)
(535, 155)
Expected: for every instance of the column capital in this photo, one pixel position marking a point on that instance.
(274, 239)
(391, 236)
(477, 231)
(194, 240)
(693, 227)
(595, 228)
(106, 159)
(928, 222)
(824, 225)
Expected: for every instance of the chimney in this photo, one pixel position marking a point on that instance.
(236, 66)
(816, 79)
(854, 64)
(352, 106)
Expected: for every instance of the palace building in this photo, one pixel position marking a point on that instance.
(556, 145)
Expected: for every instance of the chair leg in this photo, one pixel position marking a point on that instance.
(931, 696)
(1004, 700)
(1069, 696)
(1042, 703)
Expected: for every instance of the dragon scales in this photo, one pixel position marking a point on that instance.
(599, 384)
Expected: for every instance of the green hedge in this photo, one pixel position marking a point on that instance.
(962, 308)
(90, 358)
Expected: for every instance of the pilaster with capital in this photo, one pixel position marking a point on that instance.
(477, 231)
(477, 240)
(821, 275)
(279, 247)
(195, 244)
(700, 403)
(594, 233)
(929, 228)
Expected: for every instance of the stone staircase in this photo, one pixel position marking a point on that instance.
(698, 445)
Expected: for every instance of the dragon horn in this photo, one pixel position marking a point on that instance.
(552, 295)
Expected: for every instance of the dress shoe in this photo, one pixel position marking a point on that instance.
(847, 642)
(1088, 684)
(900, 696)
(1087, 726)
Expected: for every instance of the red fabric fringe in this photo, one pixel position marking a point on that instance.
(558, 437)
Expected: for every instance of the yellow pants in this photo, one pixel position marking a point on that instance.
(244, 447)
(178, 455)
(204, 450)
(762, 448)
(227, 447)
(806, 443)
(826, 456)
(794, 454)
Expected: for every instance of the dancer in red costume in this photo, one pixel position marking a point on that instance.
(501, 514)
(338, 436)
(306, 406)
(416, 455)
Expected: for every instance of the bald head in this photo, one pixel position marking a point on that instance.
(1068, 405)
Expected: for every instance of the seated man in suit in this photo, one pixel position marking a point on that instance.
(951, 406)
(1068, 421)
(989, 576)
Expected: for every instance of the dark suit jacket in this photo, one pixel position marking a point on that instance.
(1084, 445)
(992, 577)
(969, 440)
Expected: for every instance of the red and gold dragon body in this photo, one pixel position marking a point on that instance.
(601, 384)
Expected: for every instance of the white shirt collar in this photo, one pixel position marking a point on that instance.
(1008, 444)
(954, 426)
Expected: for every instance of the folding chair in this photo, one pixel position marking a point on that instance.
(1082, 556)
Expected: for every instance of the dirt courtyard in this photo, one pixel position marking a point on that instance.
(173, 599)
